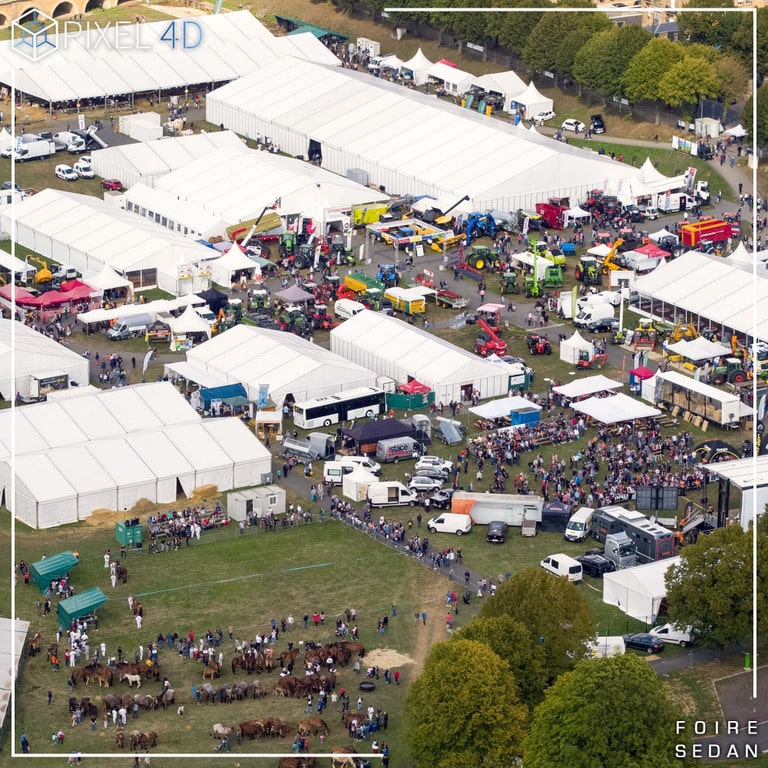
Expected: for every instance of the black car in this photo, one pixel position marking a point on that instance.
(497, 532)
(441, 499)
(598, 124)
(606, 325)
(596, 565)
(642, 641)
(438, 473)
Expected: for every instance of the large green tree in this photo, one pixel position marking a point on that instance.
(709, 27)
(647, 67)
(556, 614)
(762, 116)
(711, 587)
(612, 713)
(510, 639)
(688, 81)
(734, 79)
(513, 29)
(463, 709)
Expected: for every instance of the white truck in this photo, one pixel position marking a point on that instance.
(391, 494)
(34, 150)
(674, 202)
(129, 327)
(509, 508)
(580, 524)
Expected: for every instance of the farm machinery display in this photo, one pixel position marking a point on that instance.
(488, 342)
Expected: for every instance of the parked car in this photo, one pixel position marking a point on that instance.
(597, 124)
(83, 170)
(434, 472)
(497, 532)
(596, 565)
(573, 125)
(65, 172)
(441, 499)
(434, 462)
(114, 184)
(650, 212)
(423, 484)
(643, 641)
(671, 633)
(7, 185)
(543, 117)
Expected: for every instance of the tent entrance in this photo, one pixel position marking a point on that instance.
(179, 489)
(315, 152)
(466, 392)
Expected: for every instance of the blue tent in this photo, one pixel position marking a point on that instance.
(227, 394)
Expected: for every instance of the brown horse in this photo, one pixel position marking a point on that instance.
(34, 644)
(342, 757)
(122, 573)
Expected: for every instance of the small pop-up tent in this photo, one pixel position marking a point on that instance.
(573, 346)
(638, 591)
(80, 605)
(355, 484)
(43, 572)
(418, 65)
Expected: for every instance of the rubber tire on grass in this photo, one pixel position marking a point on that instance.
(367, 686)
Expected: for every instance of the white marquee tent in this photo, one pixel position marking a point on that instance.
(424, 147)
(418, 65)
(638, 591)
(589, 385)
(106, 279)
(235, 44)
(289, 364)
(614, 408)
(698, 349)
(454, 80)
(35, 355)
(108, 450)
(572, 346)
(508, 84)
(531, 102)
(189, 321)
(391, 347)
(494, 409)
(88, 233)
(233, 262)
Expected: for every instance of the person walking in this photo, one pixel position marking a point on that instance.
(424, 618)
(24, 744)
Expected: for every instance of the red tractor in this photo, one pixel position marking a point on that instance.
(538, 344)
(487, 342)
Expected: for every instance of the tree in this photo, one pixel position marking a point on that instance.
(470, 27)
(556, 614)
(513, 29)
(711, 587)
(509, 639)
(711, 29)
(463, 709)
(608, 712)
(762, 116)
(647, 67)
(687, 81)
(742, 41)
(734, 79)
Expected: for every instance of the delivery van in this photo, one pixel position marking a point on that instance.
(672, 633)
(334, 471)
(594, 317)
(563, 566)
(579, 525)
(346, 308)
(450, 522)
(361, 461)
(129, 327)
(606, 647)
(396, 448)
(391, 494)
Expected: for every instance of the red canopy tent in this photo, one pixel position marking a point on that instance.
(652, 251)
(642, 373)
(22, 296)
(78, 285)
(414, 388)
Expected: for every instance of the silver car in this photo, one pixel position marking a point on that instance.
(424, 484)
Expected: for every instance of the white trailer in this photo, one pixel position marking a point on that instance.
(510, 508)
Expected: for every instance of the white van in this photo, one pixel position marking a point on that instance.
(132, 326)
(594, 317)
(334, 471)
(563, 566)
(671, 633)
(579, 525)
(346, 308)
(606, 647)
(361, 461)
(450, 522)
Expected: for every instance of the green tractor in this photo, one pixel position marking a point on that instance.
(732, 371)
(553, 277)
(532, 287)
(508, 283)
(588, 272)
(480, 257)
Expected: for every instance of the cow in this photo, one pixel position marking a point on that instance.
(220, 731)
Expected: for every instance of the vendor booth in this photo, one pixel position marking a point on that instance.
(84, 604)
(43, 572)
(355, 484)
(636, 378)
(412, 396)
(572, 348)
(508, 411)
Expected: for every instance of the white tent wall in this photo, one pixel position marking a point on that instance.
(168, 463)
(44, 498)
(134, 479)
(572, 346)
(250, 459)
(638, 591)
(212, 464)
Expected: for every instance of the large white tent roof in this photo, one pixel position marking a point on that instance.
(615, 408)
(288, 363)
(711, 287)
(85, 66)
(239, 185)
(425, 146)
(638, 591)
(589, 385)
(503, 407)
(396, 349)
(110, 449)
(698, 349)
(34, 354)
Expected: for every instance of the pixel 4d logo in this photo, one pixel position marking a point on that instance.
(34, 34)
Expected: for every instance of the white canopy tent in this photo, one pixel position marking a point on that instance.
(108, 450)
(576, 214)
(589, 385)
(738, 131)
(34, 355)
(638, 591)
(454, 80)
(418, 65)
(698, 349)
(530, 102)
(600, 251)
(392, 348)
(503, 407)
(654, 237)
(425, 147)
(571, 347)
(507, 84)
(614, 409)
(189, 321)
(232, 263)
(391, 62)
(106, 279)
(289, 364)
(354, 485)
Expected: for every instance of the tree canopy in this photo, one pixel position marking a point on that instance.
(611, 712)
(463, 710)
(711, 587)
(556, 614)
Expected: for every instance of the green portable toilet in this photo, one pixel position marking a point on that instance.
(128, 532)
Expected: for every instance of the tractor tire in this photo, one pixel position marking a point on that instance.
(548, 350)
(738, 378)
(718, 380)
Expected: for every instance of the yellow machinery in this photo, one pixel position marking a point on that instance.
(609, 264)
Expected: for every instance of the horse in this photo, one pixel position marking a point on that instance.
(134, 739)
(213, 669)
(220, 731)
(34, 644)
(104, 675)
(148, 739)
(53, 650)
(131, 679)
(120, 738)
(342, 757)
(122, 573)
(297, 762)
(168, 696)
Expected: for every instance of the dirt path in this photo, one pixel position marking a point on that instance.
(434, 631)
(182, 12)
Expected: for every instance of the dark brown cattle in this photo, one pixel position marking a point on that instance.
(251, 729)
(148, 739)
(120, 738)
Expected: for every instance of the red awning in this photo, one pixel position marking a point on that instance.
(652, 251)
(641, 373)
(22, 295)
(415, 388)
(446, 62)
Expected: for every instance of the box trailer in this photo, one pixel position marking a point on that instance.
(510, 508)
